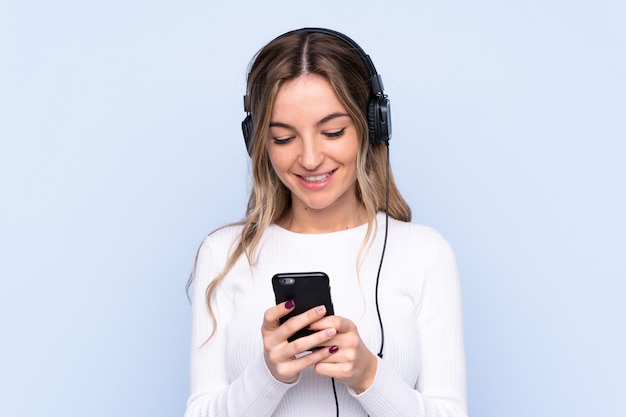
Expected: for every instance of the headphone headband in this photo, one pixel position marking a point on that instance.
(378, 115)
(376, 81)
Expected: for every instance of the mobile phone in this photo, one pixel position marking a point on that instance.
(307, 290)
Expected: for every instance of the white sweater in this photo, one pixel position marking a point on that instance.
(422, 372)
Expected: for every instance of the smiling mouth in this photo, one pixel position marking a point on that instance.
(317, 178)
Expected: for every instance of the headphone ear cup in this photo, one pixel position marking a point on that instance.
(248, 133)
(379, 120)
(371, 121)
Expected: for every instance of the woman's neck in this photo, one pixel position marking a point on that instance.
(306, 220)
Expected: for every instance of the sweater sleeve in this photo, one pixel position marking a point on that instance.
(441, 387)
(255, 393)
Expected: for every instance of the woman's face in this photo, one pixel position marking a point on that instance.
(313, 144)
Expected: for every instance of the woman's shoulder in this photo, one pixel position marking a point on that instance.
(225, 232)
(222, 238)
(415, 234)
(417, 230)
(418, 247)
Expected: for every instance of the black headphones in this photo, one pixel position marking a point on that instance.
(378, 109)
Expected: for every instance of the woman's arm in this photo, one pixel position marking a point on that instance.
(254, 393)
(441, 386)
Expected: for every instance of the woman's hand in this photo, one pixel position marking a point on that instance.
(280, 355)
(353, 363)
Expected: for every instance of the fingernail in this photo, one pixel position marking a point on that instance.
(320, 311)
(289, 304)
(333, 349)
(331, 332)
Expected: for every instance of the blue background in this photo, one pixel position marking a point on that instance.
(121, 148)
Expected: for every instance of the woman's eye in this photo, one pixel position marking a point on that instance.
(335, 134)
(282, 140)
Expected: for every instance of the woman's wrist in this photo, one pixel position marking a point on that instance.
(368, 377)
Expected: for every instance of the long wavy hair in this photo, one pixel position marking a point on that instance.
(287, 57)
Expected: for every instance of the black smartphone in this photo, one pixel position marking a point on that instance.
(307, 290)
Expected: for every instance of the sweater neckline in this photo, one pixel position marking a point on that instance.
(358, 230)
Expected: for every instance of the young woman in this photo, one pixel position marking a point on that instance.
(317, 130)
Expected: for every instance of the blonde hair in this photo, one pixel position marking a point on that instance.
(285, 58)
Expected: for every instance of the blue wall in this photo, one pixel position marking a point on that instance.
(121, 148)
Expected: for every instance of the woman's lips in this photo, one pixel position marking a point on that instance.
(315, 182)
(317, 178)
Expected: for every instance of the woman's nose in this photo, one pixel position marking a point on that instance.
(311, 156)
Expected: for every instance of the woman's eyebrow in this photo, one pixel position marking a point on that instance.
(331, 117)
(321, 122)
(280, 124)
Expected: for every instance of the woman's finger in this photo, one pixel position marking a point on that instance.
(273, 314)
